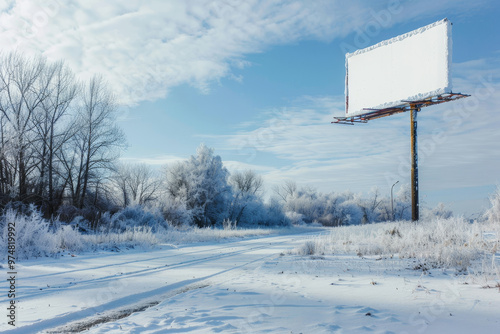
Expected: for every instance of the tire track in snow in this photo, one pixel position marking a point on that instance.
(224, 246)
(85, 284)
(120, 263)
(143, 298)
(84, 319)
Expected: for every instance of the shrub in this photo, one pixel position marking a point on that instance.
(309, 248)
(137, 216)
(33, 238)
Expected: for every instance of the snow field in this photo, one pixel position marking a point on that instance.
(323, 294)
(253, 285)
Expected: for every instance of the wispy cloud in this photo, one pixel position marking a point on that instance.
(144, 49)
(159, 161)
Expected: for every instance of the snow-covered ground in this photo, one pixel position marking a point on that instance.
(251, 285)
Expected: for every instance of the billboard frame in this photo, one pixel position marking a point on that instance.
(391, 71)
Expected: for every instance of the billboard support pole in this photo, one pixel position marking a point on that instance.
(414, 163)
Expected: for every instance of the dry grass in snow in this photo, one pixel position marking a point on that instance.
(445, 243)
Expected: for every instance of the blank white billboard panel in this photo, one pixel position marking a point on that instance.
(410, 67)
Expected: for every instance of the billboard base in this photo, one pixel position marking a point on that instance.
(404, 107)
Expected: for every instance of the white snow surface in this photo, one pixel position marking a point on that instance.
(251, 285)
(409, 67)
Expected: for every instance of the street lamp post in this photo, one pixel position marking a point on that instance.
(392, 201)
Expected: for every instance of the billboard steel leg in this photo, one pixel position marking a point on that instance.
(414, 164)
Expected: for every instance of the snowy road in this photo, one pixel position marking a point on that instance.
(76, 292)
(251, 285)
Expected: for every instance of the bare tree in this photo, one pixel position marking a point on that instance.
(286, 189)
(21, 93)
(370, 206)
(52, 132)
(247, 182)
(138, 184)
(96, 143)
(6, 169)
(56, 135)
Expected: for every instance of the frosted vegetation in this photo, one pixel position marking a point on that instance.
(433, 243)
(36, 237)
(439, 243)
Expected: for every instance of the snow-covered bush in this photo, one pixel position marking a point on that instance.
(274, 214)
(308, 248)
(67, 238)
(340, 209)
(174, 210)
(295, 217)
(136, 216)
(32, 236)
(131, 237)
(134, 227)
(402, 203)
(333, 209)
(347, 213)
(228, 224)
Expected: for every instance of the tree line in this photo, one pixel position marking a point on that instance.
(60, 147)
(59, 153)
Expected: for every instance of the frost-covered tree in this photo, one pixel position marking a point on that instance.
(58, 139)
(493, 213)
(402, 203)
(246, 204)
(201, 182)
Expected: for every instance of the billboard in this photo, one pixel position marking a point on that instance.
(409, 67)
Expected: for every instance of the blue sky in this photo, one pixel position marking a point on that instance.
(259, 81)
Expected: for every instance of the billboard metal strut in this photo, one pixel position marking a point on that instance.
(403, 107)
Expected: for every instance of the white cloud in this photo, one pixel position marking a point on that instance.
(238, 166)
(159, 161)
(146, 48)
